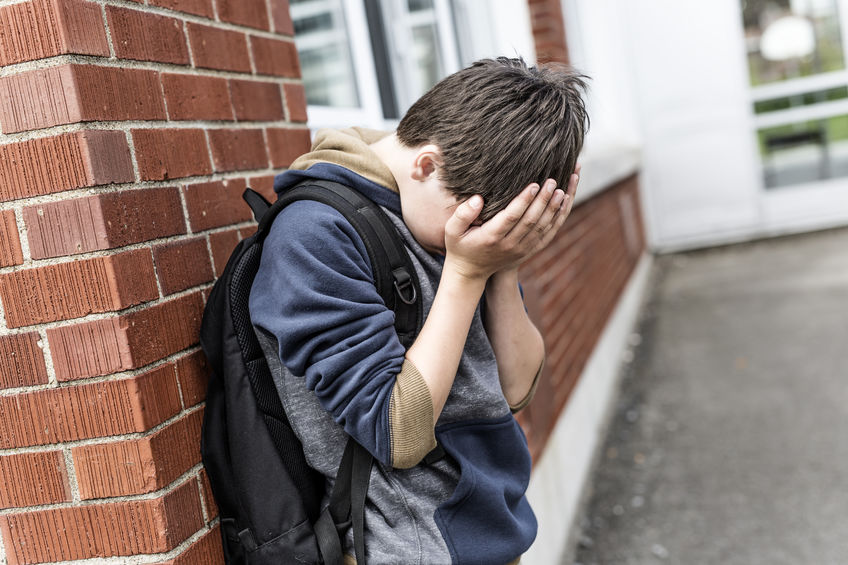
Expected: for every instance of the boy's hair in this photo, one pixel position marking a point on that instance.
(501, 125)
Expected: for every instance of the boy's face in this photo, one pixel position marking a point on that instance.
(426, 209)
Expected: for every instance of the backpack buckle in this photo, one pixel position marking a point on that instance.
(403, 286)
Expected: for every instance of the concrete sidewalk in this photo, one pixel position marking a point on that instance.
(729, 444)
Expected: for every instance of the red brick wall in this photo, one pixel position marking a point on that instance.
(548, 30)
(127, 133)
(572, 287)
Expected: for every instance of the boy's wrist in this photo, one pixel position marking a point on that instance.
(508, 277)
(456, 274)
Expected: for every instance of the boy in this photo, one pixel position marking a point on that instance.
(451, 180)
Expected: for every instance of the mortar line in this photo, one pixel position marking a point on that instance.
(72, 475)
(108, 32)
(133, 159)
(119, 375)
(188, 45)
(125, 125)
(22, 233)
(180, 481)
(103, 440)
(157, 66)
(112, 252)
(44, 345)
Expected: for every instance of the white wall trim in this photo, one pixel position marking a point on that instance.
(604, 165)
(558, 484)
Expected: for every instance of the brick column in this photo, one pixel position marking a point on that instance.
(548, 30)
(128, 133)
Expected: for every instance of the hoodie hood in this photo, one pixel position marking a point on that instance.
(346, 148)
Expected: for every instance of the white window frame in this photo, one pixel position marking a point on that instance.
(370, 111)
(804, 85)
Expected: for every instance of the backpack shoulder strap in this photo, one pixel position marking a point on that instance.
(397, 283)
(394, 274)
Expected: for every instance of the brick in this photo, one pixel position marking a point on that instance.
(63, 162)
(256, 101)
(103, 530)
(10, 241)
(192, 97)
(30, 479)
(182, 264)
(295, 102)
(70, 94)
(286, 145)
(23, 361)
(208, 498)
(264, 185)
(171, 153)
(193, 373)
(103, 221)
(197, 7)
(147, 37)
(221, 49)
(251, 13)
(91, 410)
(276, 57)
(216, 204)
(222, 244)
(281, 16)
(77, 288)
(205, 551)
(128, 341)
(548, 30)
(126, 467)
(46, 28)
(238, 149)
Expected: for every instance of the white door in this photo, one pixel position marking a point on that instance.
(731, 145)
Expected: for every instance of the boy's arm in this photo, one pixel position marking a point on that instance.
(517, 343)
(473, 254)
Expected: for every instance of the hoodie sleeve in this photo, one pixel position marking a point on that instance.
(315, 293)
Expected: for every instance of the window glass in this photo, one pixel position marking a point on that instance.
(425, 52)
(418, 5)
(804, 151)
(796, 60)
(324, 48)
(789, 39)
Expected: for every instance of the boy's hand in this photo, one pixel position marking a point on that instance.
(524, 227)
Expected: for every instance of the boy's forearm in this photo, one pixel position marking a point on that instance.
(517, 343)
(438, 348)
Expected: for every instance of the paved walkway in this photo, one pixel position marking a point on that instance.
(730, 440)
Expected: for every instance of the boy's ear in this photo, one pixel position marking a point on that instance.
(427, 160)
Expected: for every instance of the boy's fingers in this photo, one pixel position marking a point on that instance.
(464, 215)
(506, 219)
(572, 183)
(535, 213)
(557, 223)
(541, 223)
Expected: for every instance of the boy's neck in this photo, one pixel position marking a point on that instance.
(396, 156)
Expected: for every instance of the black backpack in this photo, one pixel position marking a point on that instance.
(267, 495)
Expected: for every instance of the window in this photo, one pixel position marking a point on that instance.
(797, 56)
(367, 61)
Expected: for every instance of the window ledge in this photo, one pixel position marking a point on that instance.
(604, 165)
